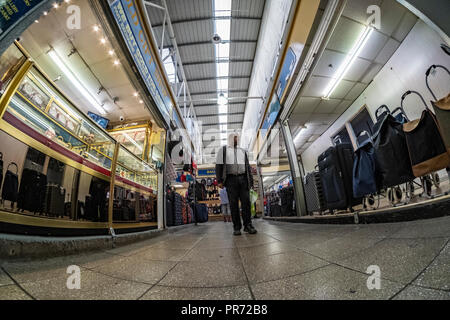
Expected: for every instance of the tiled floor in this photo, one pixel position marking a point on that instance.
(282, 261)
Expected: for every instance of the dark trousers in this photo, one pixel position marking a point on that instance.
(238, 189)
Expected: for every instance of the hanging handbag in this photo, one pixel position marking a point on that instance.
(364, 179)
(441, 108)
(11, 184)
(425, 145)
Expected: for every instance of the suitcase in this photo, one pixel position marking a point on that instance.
(441, 108)
(426, 147)
(315, 201)
(54, 200)
(336, 172)
(11, 184)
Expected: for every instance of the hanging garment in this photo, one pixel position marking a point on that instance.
(11, 184)
(441, 108)
(364, 181)
(393, 165)
(425, 144)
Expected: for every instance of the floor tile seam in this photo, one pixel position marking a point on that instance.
(246, 276)
(173, 267)
(17, 284)
(326, 260)
(423, 270)
(202, 287)
(292, 275)
(428, 287)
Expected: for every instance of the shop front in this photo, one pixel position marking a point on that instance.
(74, 161)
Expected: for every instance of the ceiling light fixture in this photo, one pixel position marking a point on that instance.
(96, 28)
(74, 80)
(222, 100)
(348, 62)
(103, 40)
(299, 133)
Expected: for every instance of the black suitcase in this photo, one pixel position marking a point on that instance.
(336, 173)
(54, 200)
(315, 201)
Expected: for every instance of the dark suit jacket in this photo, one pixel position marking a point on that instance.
(221, 170)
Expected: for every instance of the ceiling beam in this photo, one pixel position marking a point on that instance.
(197, 43)
(216, 92)
(216, 61)
(208, 19)
(221, 123)
(218, 78)
(221, 114)
(216, 105)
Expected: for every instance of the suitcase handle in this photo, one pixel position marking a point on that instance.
(401, 111)
(381, 108)
(427, 73)
(408, 93)
(336, 139)
(14, 164)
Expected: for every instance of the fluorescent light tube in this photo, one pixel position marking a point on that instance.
(69, 74)
(298, 134)
(348, 62)
(132, 141)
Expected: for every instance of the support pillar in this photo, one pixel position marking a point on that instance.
(295, 170)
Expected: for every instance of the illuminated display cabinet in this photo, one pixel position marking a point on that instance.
(57, 162)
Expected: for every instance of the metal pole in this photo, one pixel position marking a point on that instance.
(295, 170)
(162, 37)
(111, 187)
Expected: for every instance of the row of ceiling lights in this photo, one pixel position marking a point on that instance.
(343, 69)
(103, 41)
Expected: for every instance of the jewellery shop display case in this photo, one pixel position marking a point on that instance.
(56, 163)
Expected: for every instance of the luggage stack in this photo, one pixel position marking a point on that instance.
(170, 217)
(287, 201)
(336, 173)
(178, 209)
(184, 210)
(54, 200)
(32, 192)
(315, 201)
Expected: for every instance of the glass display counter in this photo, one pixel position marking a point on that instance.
(56, 163)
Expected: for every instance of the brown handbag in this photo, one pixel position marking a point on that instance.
(426, 147)
(441, 108)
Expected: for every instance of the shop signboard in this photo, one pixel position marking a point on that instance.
(271, 116)
(131, 27)
(206, 172)
(11, 12)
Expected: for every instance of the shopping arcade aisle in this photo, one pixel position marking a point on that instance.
(283, 261)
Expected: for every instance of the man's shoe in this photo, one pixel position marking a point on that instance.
(237, 232)
(250, 229)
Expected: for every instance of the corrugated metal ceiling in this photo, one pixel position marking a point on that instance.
(193, 26)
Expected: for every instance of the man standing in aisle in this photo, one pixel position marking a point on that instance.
(233, 171)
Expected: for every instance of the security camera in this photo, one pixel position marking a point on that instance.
(216, 38)
(122, 118)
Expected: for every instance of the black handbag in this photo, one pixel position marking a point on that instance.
(11, 184)
(425, 144)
